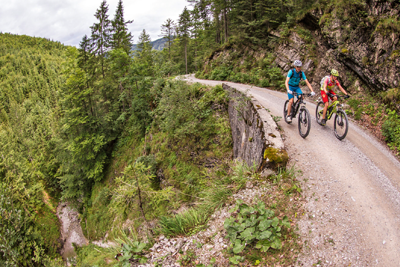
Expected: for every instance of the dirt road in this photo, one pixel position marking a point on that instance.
(352, 187)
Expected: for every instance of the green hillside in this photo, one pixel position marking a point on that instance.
(30, 80)
(140, 154)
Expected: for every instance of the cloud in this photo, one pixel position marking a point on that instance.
(68, 21)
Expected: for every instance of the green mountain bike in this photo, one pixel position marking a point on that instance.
(341, 123)
(304, 116)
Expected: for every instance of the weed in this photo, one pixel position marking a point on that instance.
(254, 224)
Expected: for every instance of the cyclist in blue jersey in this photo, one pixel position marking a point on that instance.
(292, 85)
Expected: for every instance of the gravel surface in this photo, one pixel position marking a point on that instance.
(352, 187)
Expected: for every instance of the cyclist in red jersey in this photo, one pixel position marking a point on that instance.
(327, 84)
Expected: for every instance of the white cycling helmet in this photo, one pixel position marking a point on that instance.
(297, 63)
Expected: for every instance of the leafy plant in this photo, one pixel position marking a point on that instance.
(257, 225)
(391, 129)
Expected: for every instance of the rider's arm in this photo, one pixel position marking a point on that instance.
(341, 89)
(287, 83)
(325, 85)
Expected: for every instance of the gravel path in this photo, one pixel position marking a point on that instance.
(352, 187)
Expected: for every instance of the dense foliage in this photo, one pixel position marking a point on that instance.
(30, 71)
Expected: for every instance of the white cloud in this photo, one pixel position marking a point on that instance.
(68, 21)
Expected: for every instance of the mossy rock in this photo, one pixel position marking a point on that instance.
(275, 158)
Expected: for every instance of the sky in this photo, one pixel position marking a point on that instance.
(68, 21)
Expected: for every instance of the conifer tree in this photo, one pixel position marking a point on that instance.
(121, 38)
(145, 53)
(101, 34)
(184, 33)
(167, 32)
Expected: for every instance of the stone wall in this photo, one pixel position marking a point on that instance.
(255, 135)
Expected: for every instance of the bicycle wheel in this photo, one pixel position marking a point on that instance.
(341, 125)
(318, 112)
(285, 107)
(304, 122)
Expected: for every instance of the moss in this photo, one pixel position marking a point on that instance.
(277, 157)
(365, 60)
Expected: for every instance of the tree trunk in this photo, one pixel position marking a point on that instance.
(186, 58)
(225, 26)
(142, 211)
(218, 33)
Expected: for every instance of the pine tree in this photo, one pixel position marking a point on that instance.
(121, 38)
(101, 34)
(184, 33)
(145, 54)
(167, 32)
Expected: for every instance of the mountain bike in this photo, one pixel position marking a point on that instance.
(341, 123)
(304, 116)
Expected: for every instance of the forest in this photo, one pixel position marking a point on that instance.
(111, 131)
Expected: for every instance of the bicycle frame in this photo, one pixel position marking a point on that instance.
(296, 105)
(332, 108)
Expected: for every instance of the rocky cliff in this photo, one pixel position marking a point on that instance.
(359, 39)
(255, 135)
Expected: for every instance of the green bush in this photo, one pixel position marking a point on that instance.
(257, 225)
(355, 104)
(391, 130)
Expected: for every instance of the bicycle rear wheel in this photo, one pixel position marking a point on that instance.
(341, 125)
(285, 107)
(304, 122)
(319, 112)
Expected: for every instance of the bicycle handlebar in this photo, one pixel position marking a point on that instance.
(338, 96)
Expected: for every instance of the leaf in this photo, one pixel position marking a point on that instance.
(261, 207)
(276, 243)
(238, 247)
(264, 245)
(264, 235)
(275, 222)
(248, 234)
(264, 225)
(234, 260)
(285, 222)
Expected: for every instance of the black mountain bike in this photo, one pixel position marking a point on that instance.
(341, 123)
(304, 116)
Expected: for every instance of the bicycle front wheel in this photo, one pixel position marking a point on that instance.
(285, 107)
(341, 125)
(319, 112)
(304, 122)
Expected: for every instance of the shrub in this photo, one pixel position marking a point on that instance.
(391, 130)
(257, 225)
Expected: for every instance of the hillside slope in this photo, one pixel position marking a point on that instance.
(30, 77)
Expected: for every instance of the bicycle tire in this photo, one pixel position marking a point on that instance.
(285, 111)
(341, 125)
(319, 112)
(304, 122)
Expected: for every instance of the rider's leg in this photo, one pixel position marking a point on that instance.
(325, 109)
(290, 107)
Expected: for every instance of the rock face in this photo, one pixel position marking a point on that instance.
(362, 44)
(71, 231)
(255, 135)
(360, 39)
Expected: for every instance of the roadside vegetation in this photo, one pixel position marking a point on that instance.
(139, 153)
